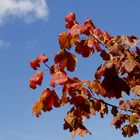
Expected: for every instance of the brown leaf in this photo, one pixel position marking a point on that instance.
(114, 111)
(129, 130)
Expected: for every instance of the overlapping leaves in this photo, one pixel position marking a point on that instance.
(118, 76)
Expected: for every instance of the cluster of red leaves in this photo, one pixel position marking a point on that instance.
(118, 76)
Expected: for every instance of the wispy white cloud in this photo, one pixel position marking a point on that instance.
(28, 10)
(4, 44)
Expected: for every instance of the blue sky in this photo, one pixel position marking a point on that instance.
(31, 27)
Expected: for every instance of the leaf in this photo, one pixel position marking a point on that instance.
(89, 24)
(36, 79)
(104, 110)
(70, 60)
(47, 100)
(59, 78)
(81, 131)
(64, 40)
(70, 17)
(83, 48)
(105, 55)
(77, 29)
(129, 130)
(134, 118)
(36, 62)
(42, 58)
(98, 88)
(74, 124)
(113, 84)
(119, 120)
(114, 111)
(136, 90)
(92, 43)
(128, 42)
(129, 65)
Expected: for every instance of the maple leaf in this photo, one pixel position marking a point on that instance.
(69, 58)
(36, 79)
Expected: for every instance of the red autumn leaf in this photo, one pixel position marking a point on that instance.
(42, 58)
(70, 17)
(59, 78)
(83, 48)
(36, 79)
(46, 102)
(78, 29)
(67, 57)
(64, 40)
(36, 62)
(89, 24)
(70, 20)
